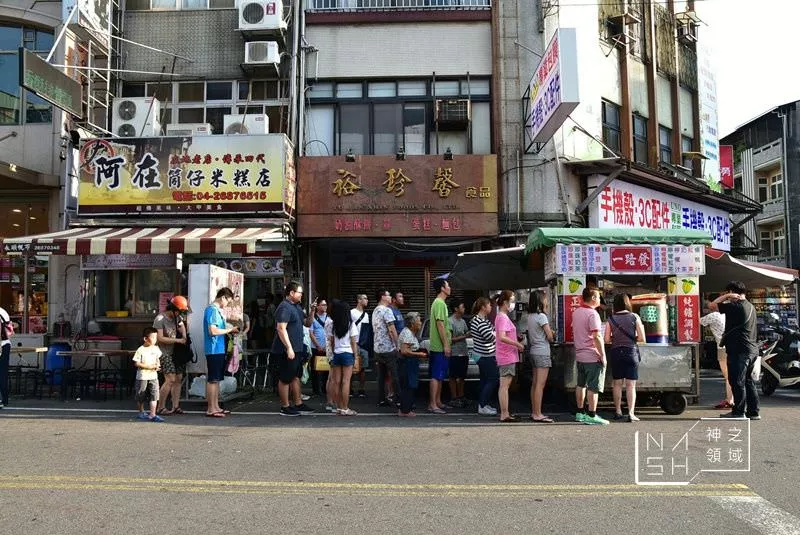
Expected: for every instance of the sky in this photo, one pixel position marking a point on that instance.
(754, 45)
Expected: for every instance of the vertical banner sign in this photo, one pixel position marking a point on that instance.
(684, 293)
(707, 96)
(570, 288)
(726, 166)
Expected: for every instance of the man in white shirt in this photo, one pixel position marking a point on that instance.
(716, 324)
(360, 317)
(5, 355)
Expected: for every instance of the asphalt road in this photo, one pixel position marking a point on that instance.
(90, 471)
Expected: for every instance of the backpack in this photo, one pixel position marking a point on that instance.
(365, 334)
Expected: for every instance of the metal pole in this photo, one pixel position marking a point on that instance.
(61, 33)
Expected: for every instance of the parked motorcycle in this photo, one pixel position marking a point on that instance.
(780, 358)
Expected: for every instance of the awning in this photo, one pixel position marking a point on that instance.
(550, 236)
(495, 270)
(721, 268)
(144, 240)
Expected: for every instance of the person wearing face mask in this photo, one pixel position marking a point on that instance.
(508, 348)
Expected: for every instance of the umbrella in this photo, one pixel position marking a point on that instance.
(721, 268)
(494, 270)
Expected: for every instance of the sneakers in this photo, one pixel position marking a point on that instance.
(304, 397)
(618, 417)
(156, 419)
(330, 407)
(580, 417)
(346, 412)
(289, 411)
(754, 416)
(486, 410)
(304, 409)
(594, 420)
(632, 418)
(731, 415)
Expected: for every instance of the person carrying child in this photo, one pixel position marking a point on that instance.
(148, 362)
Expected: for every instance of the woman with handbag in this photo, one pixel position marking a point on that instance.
(624, 332)
(172, 331)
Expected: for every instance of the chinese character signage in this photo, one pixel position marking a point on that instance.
(553, 89)
(569, 290)
(185, 176)
(630, 259)
(624, 205)
(726, 166)
(684, 295)
(380, 196)
(707, 110)
(49, 83)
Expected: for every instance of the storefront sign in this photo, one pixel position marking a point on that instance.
(379, 196)
(49, 83)
(553, 89)
(684, 295)
(250, 266)
(98, 262)
(569, 290)
(707, 110)
(624, 205)
(726, 166)
(187, 176)
(633, 259)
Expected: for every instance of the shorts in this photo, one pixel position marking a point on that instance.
(507, 370)
(592, 376)
(541, 361)
(624, 363)
(364, 354)
(146, 390)
(216, 367)
(458, 366)
(168, 366)
(437, 366)
(343, 359)
(288, 369)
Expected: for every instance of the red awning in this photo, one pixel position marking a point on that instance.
(144, 240)
(722, 268)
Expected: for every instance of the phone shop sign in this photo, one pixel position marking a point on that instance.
(623, 205)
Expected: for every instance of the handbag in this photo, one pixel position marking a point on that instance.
(182, 354)
(322, 364)
(628, 334)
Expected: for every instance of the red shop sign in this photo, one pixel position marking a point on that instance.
(639, 259)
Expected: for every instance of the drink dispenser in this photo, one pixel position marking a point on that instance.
(652, 309)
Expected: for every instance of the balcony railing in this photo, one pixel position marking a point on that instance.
(396, 5)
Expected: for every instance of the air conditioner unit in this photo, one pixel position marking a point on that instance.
(687, 33)
(261, 53)
(189, 129)
(136, 117)
(453, 114)
(261, 15)
(246, 124)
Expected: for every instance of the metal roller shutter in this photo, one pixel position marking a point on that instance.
(369, 280)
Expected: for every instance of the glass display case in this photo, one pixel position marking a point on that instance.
(781, 301)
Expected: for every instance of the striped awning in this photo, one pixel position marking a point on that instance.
(144, 240)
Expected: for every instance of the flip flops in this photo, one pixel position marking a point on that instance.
(163, 411)
(509, 420)
(177, 410)
(543, 420)
(215, 415)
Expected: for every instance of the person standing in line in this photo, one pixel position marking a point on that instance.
(214, 331)
(318, 318)
(508, 348)
(385, 346)
(408, 363)
(360, 318)
(287, 350)
(590, 357)
(6, 332)
(171, 329)
(440, 349)
(342, 334)
(624, 332)
(716, 323)
(540, 336)
(459, 359)
(148, 363)
(484, 340)
(398, 300)
(741, 344)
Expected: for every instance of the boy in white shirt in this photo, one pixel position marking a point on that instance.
(148, 362)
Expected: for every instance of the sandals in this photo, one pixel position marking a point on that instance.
(509, 420)
(542, 420)
(177, 410)
(214, 415)
(163, 411)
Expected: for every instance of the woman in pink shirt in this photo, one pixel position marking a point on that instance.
(508, 348)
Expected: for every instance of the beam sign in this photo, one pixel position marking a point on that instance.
(49, 83)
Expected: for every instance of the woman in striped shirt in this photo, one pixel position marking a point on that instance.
(483, 340)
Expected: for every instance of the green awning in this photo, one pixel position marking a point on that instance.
(550, 236)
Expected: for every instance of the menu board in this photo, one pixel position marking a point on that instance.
(630, 259)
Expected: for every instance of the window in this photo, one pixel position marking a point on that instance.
(191, 92)
(763, 189)
(388, 128)
(411, 89)
(665, 144)
(348, 90)
(354, 129)
(777, 242)
(639, 139)
(686, 146)
(219, 91)
(611, 127)
(136, 291)
(414, 128)
(766, 243)
(382, 89)
(18, 105)
(776, 186)
(772, 242)
(158, 5)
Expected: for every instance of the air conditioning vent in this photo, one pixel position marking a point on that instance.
(261, 53)
(246, 124)
(189, 129)
(261, 15)
(453, 114)
(134, 117)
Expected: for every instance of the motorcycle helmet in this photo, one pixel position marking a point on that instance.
(180, 303)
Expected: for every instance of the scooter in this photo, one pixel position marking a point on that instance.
(780, 359)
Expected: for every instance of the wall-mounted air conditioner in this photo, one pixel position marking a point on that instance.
(136, 117)
(261, 15)
(189, 129)
(687, 33)
(453, 114)
(246, 124)
(261, 53)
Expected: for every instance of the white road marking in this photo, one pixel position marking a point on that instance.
(760, 514)
(132, 413)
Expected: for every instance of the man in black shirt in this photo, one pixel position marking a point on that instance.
(741, 344)
(287, 349)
